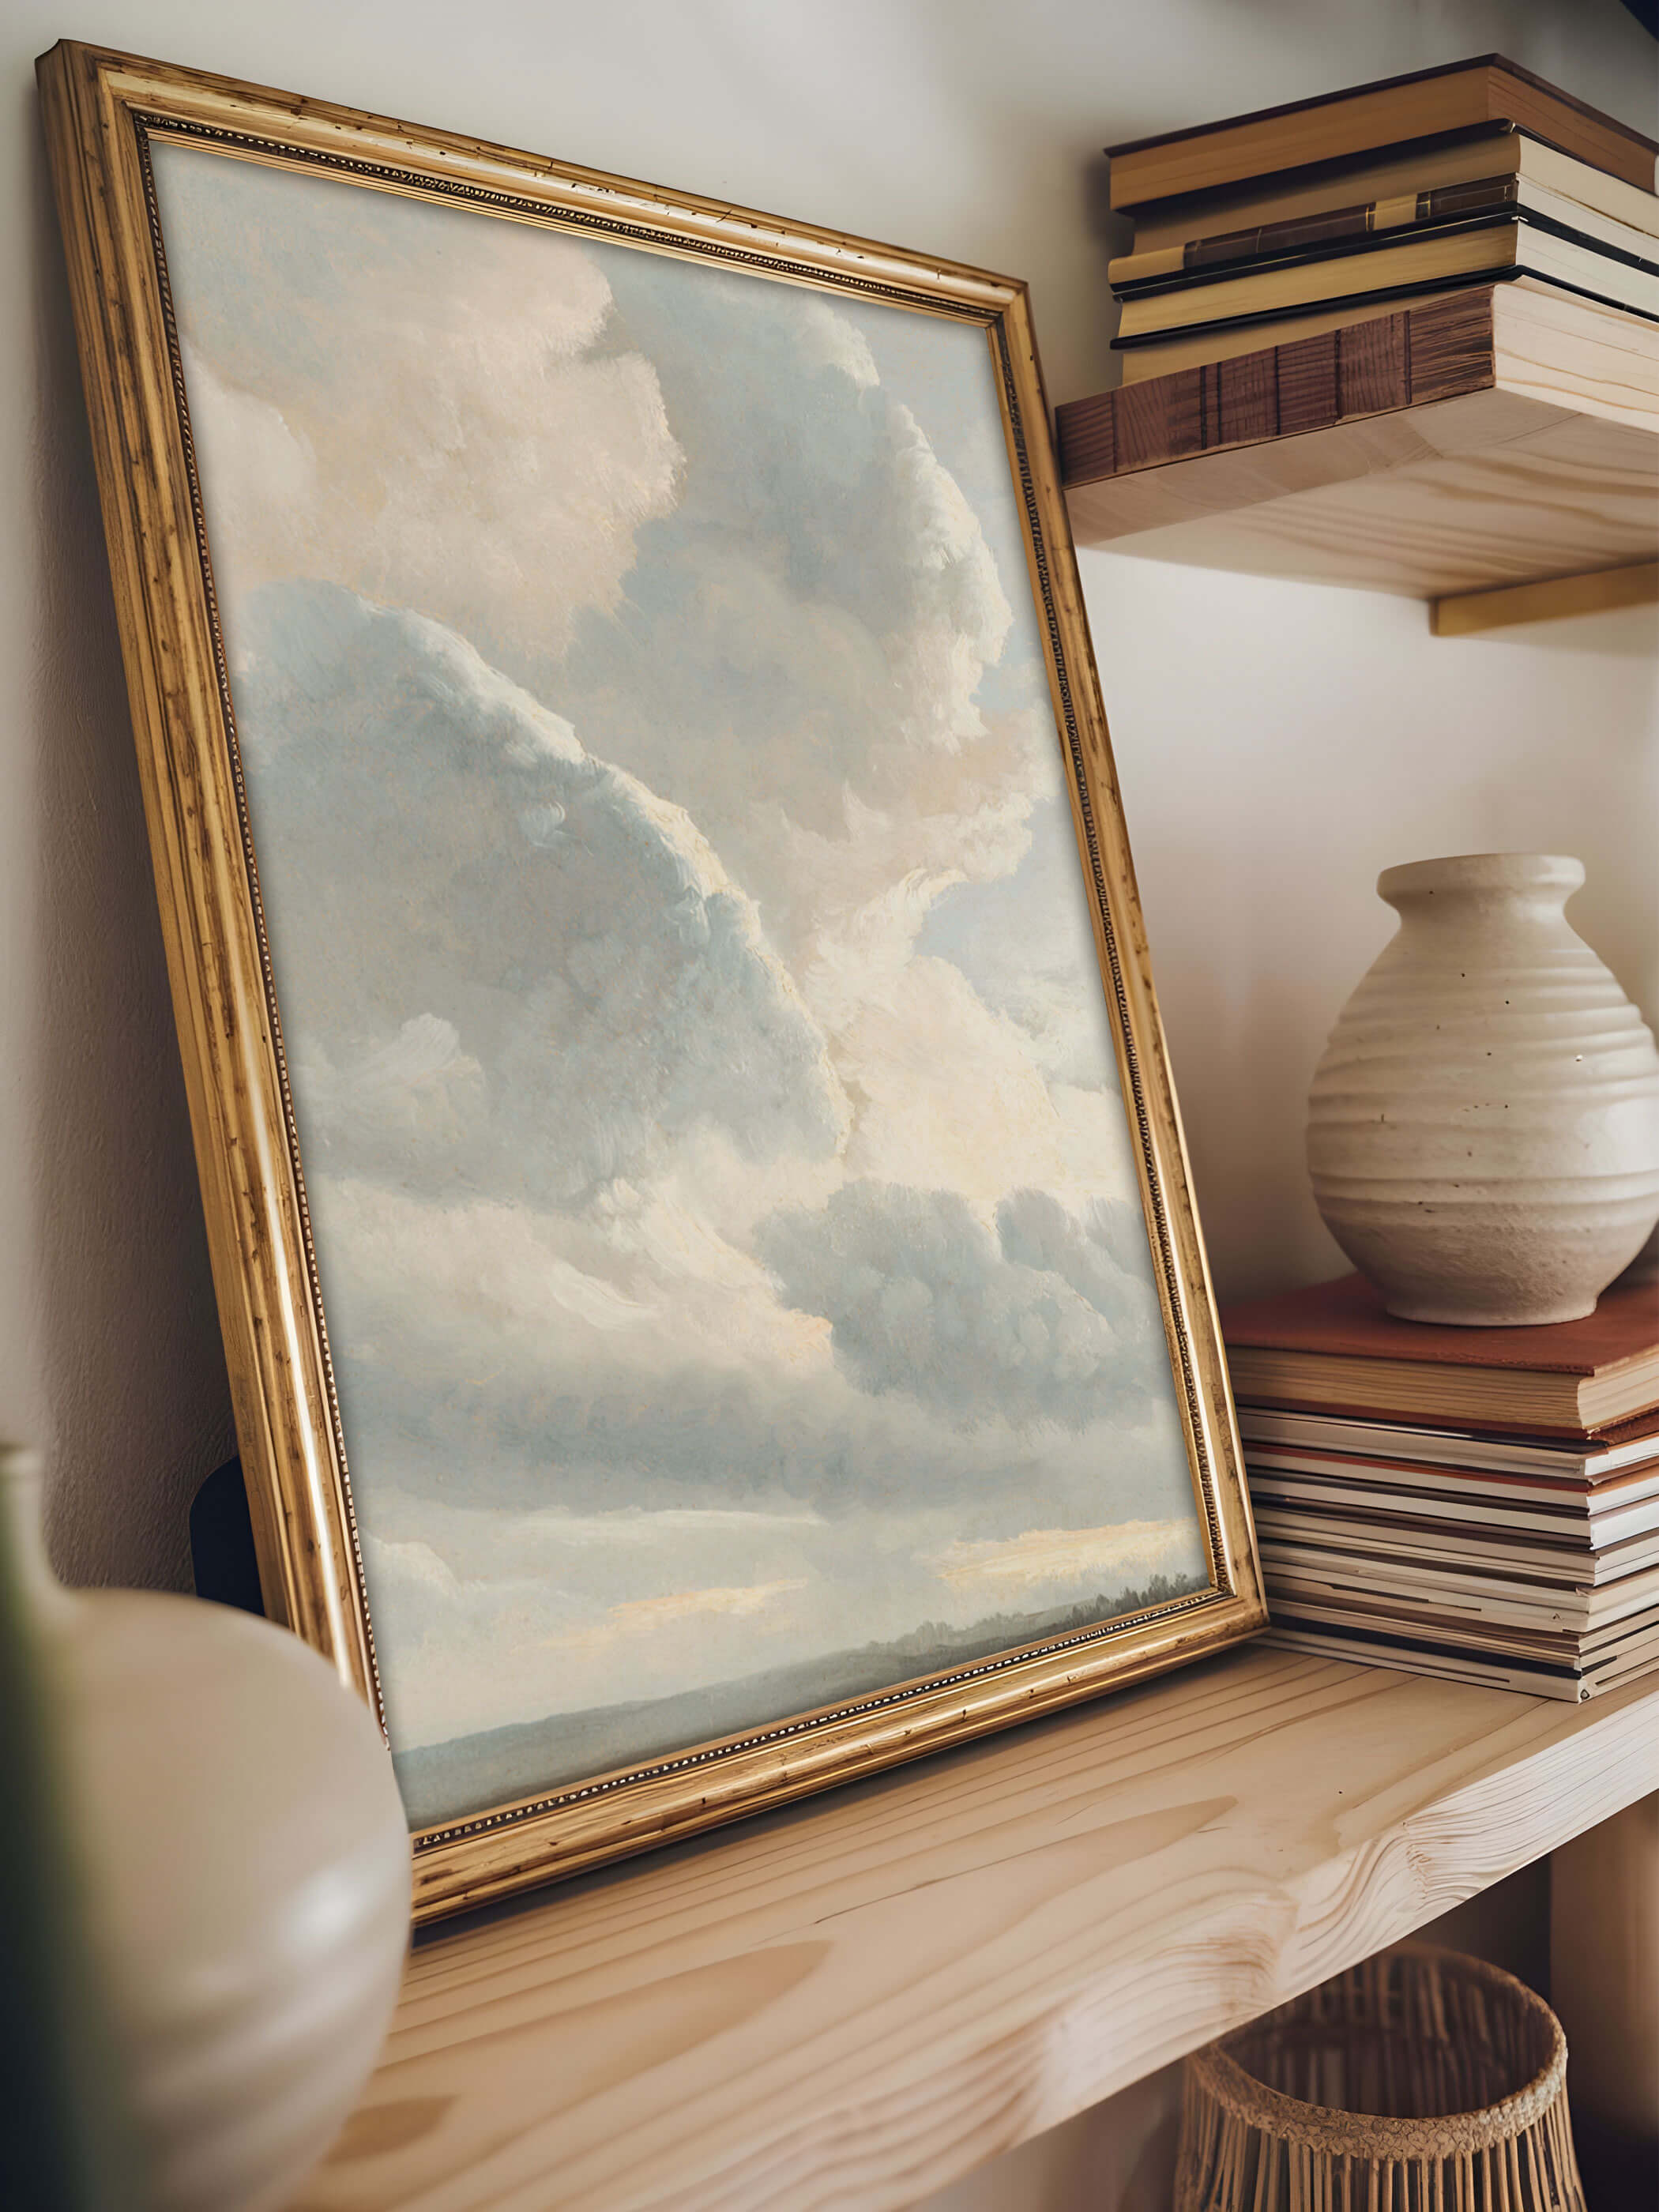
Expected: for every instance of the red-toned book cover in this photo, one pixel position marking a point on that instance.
(1346, 1319)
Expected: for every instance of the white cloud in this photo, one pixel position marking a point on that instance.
(1026, 1570)
(417, 1567)
(578, 1361)
(1026, 943)
(830, 338)
(418, 1092)
(923, 1298)
(1100, 1249)
(539, 1312)
(960, 616)
(647, 1616)
(802, 654)
(408, 402)
(949, 1094)
(265, 480)
(499, 959)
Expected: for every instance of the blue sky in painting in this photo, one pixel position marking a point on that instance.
(726, 1215)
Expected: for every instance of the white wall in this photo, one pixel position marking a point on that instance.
(1277, 744)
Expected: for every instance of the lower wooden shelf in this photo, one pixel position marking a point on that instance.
(1498, 436)
(850, 2003)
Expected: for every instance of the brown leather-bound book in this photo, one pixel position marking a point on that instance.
(1351, 228)
(1399, 173)
(1461, 96)
(1333, 1347)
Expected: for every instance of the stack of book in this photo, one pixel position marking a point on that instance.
(1480, 1503)
(1280, 225)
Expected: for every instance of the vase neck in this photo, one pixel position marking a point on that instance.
(28, 1585)
(1473, 889)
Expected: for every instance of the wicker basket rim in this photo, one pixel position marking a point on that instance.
(1378, 2135)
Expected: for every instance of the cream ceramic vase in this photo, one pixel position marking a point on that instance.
(1483, 1131)
(207, 1864)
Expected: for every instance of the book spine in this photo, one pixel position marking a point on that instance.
(1347, 226)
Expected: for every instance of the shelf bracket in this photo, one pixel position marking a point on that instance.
(1469, 613)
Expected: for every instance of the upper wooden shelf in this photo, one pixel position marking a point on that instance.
(1498, 436)
(850, 2003)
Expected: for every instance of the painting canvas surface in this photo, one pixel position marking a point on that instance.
(723, 1203)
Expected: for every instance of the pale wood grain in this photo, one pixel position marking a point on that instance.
(847, 2007)
(1552, 470)
(1554, 600)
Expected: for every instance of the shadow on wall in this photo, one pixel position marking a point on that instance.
(127, 1333)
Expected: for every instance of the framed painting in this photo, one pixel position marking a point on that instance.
(697, 1206)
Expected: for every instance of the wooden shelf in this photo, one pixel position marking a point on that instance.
(1499, 436)
(850, 2003)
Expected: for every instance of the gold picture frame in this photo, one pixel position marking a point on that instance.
(107, 113)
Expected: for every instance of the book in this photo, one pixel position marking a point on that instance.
(1358, 230)
(1489, 251)
(1482, 1593)
(1558, 1460)
(1455, 1517)
(1583, 1614)
(1477, 1488)
(1413, 1656)
(1162, 356)
(1459, 97)
(1353, 225)
(1404, 172)
(1332, 1347)
(1153, 356)
(1431, 1543)
(1450, 1632)
(1529, 1562)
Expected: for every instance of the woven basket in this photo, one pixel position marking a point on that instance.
(1420, 2082)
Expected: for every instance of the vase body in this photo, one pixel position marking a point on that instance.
(230, 1858)
(1483, 1129)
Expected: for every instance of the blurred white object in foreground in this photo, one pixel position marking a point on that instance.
(221, 1860)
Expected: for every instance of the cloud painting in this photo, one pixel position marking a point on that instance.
(724, 1205)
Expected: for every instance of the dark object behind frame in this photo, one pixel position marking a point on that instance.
(223, 1559)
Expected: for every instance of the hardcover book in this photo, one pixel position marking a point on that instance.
(1427, 165)
(1333, 1345)
(1492, 253)
(1458, 97)
(1404, 219)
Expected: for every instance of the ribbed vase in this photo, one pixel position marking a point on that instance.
(1483, 1130)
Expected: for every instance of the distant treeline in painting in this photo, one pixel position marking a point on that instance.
(503, 1764)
